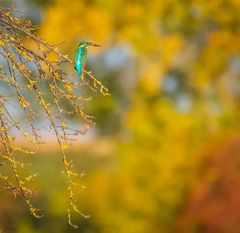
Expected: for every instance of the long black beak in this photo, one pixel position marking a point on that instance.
(92, 44)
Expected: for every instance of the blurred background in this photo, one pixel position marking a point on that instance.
(164, 156)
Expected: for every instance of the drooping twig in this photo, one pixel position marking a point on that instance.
(34, 82)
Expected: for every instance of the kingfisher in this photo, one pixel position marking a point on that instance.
(80, 56)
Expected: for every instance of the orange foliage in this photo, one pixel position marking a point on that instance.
(212, 205)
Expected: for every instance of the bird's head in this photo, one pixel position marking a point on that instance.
(86, 43)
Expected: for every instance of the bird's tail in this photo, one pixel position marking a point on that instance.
(79, 71)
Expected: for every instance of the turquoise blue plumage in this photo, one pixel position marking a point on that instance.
(80, 56)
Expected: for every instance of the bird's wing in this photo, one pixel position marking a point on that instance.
(75, 59)
(80, 60)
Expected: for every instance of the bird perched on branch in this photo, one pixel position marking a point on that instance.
(80, 57)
